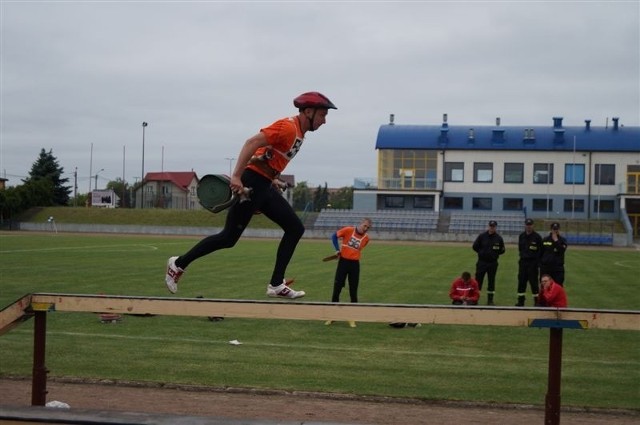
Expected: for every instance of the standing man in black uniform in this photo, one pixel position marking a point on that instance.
(553, 249)
(489, 246)
(530, 249)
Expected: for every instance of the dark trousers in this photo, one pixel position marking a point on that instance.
(490, 269)
(528, 273)
(346, 269)
(270, 202)
(556, 273)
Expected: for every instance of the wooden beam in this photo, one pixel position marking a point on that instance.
(296, 310)
(14, 314)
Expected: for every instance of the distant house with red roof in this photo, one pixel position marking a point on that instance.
(178, 190)
(170, 190)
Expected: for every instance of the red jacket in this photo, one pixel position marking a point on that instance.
(461, 290)
(553, 296)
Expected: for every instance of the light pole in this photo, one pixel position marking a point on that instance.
(95, 187)
(144, 125)
(230, 164)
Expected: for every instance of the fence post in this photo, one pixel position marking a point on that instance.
(552, 400)
(39, 377)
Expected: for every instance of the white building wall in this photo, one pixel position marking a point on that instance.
(558, 159)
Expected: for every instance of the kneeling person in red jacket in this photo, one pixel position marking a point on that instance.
(464, 290)
(551, 293)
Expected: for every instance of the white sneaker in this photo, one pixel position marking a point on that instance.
(283, 291)
(173, 275)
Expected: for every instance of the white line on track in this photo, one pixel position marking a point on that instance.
(627, 264)
(102, 248)
(420, 353)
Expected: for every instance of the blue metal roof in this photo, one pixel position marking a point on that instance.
(509, 138)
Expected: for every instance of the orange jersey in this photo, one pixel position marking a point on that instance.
(285, 140)
(352, 243)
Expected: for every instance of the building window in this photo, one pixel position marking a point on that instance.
(453, 203)
(573, 173)
(543, 173)
(574, 205)
(605, 174)
(482, 203)
(540, 204)
(394, 201)
(601, 206)
(512, 204)
(407, 169)
(454, 171)
(483, 172)
(514, 172)
(423, 202)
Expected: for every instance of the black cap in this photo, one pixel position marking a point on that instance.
(528, 222)
(555, 225)
(493, 223)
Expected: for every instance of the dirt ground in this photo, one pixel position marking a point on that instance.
(280, 406)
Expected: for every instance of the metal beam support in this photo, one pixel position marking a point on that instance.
(552, 400)
(39, 375)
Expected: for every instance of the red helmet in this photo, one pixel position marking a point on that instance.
(313, 99)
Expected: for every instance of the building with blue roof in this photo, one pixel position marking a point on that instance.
(554, 171)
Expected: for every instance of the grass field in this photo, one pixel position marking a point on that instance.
(473, 363)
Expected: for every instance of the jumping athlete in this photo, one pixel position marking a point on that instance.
(353, 240)
(260, 161)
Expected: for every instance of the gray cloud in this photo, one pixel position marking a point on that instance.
(207, 75)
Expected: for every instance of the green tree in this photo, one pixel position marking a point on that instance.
(321, 198)
(47, 168)
(81, 200)
(15, 200)
(342, 199)
(121, 188)
(301, 196)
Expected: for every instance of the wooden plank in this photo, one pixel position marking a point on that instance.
(14, 314)
(296, 310)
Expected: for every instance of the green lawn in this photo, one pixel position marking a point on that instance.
(474, 363)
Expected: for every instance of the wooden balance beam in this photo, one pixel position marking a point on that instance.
(556, 319)
(383, 313)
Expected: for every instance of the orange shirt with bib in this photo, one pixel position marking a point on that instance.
(352, 243)
(285, 140)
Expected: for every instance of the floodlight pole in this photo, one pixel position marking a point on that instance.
(230, 164)
(144, 125)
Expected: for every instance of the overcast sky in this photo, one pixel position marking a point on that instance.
(208, 75)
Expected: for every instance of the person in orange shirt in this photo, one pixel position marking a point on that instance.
(464, 290)
(260, 161)
(353, 240)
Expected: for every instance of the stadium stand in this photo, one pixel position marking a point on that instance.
(477, 223)
(386, 220)
(415, 221)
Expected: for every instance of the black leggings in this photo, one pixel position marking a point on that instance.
(346, 269)
(270, 202)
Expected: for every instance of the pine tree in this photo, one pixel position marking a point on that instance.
(47, 168)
